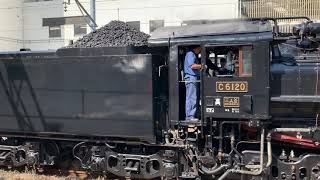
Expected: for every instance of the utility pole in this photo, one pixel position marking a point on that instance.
(92, 23)
(93, 12)
(22, 19)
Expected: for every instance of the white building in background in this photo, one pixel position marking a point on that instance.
(11, 24)
(51, 24)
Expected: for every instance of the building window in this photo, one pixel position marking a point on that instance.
(80, 29)
(134, 24)
(54, 31)
(154, 24)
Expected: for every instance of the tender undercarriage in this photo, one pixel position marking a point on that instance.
(234, 150)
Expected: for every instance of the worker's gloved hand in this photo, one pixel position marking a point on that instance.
(204, 67)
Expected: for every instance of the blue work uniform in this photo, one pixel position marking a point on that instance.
(192, 87)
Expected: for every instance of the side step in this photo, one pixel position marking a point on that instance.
(188, 123)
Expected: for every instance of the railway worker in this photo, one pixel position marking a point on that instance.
(210, 66)
(191, 75)
(223, 70)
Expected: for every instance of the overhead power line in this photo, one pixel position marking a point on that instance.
(101, 2)
(8, 39)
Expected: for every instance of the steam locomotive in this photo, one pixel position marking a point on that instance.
(120, 110)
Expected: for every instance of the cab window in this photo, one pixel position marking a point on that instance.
(245, 61)
(229, 61)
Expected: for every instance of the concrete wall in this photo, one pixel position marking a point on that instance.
(172, 12)
(11, 24)
(36, 36)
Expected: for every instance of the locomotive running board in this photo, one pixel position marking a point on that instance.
(314, 99)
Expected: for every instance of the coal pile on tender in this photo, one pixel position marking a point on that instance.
(114, 34)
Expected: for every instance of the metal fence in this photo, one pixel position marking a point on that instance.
(281, 8)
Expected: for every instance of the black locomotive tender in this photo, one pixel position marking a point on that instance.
(121, 110)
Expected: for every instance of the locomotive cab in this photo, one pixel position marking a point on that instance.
(242, 90)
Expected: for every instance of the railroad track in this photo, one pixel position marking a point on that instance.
(71, 173)
(67, 173)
